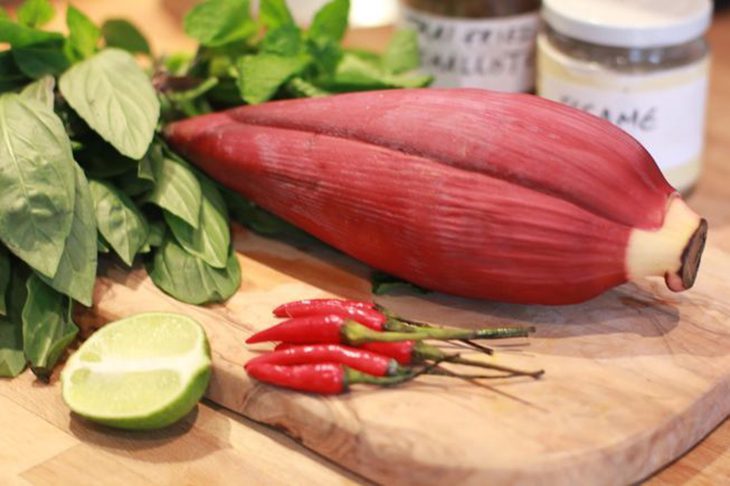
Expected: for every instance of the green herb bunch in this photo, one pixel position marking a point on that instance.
(83, 169)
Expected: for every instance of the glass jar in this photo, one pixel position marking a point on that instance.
(476, 43)
(642, 65)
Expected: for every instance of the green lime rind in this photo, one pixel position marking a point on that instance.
(140, 373)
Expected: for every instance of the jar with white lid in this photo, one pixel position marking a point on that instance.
(641, 64)
(476, 43)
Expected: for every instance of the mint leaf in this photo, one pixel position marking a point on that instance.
(83, 34)
(38, 60)
(47, 326)
(18, 35)
(261, 76)
(77, 269)
(115, 98)
(35, 13)
(124, 35)
(301, 88)
(326, 53)
(119, 221)
(189, 279)
(41, 91)
(353, 73)
(37, 180)
(275, 13)
(284, 41)
(330, 22)
(210, 241)
(402, 53)
(218, 22)
(177, 189)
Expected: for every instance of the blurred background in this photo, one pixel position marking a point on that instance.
(161, 20)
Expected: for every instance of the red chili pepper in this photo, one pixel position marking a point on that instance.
(322, 378)
(308, 307)
(362, 312)
(334, 329)
(303, 330)
(360, 359)
(402, 352)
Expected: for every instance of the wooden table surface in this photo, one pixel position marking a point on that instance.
(40, 443)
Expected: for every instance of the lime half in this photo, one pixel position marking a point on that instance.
(143, 372)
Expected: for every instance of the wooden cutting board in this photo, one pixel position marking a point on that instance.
(633, 378)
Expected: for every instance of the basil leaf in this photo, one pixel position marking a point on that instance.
(383, 283)
(331, 20)
(11, 77)
(101, 161)
(132, 185)
(218, 22)
(285, 41)
(275, 13)
(402, 53)
(119, 221)
(41, 91)
(37, 181)
(116, 98)
(144, 169)
(189, 279)
(261, 76)
(4, 279)
(35, 13)
(210, 241)
(18, 35)
(77, 269)
(47, 326)
(177, 189)
(83, 34)
(124, 35)
(157, 234)
(101, 245)
(258, 219)
(38, 60)
(12, 358)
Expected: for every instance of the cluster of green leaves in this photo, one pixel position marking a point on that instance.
(84, 171)
(247, 60)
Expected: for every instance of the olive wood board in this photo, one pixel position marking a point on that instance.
(634, 378)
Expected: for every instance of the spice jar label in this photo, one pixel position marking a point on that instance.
(496, 53)
(665, 111)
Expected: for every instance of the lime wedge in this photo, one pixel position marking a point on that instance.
(143, 372)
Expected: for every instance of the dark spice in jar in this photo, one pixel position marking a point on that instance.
(474, 8)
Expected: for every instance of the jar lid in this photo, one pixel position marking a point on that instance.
(630, 23)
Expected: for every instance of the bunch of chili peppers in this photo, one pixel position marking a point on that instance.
(327, 345)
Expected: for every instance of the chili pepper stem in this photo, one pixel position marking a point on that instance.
(424, 351)
(399, 324)
(353, 376)
(491, 366)
(356, 334)
(466, 376)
